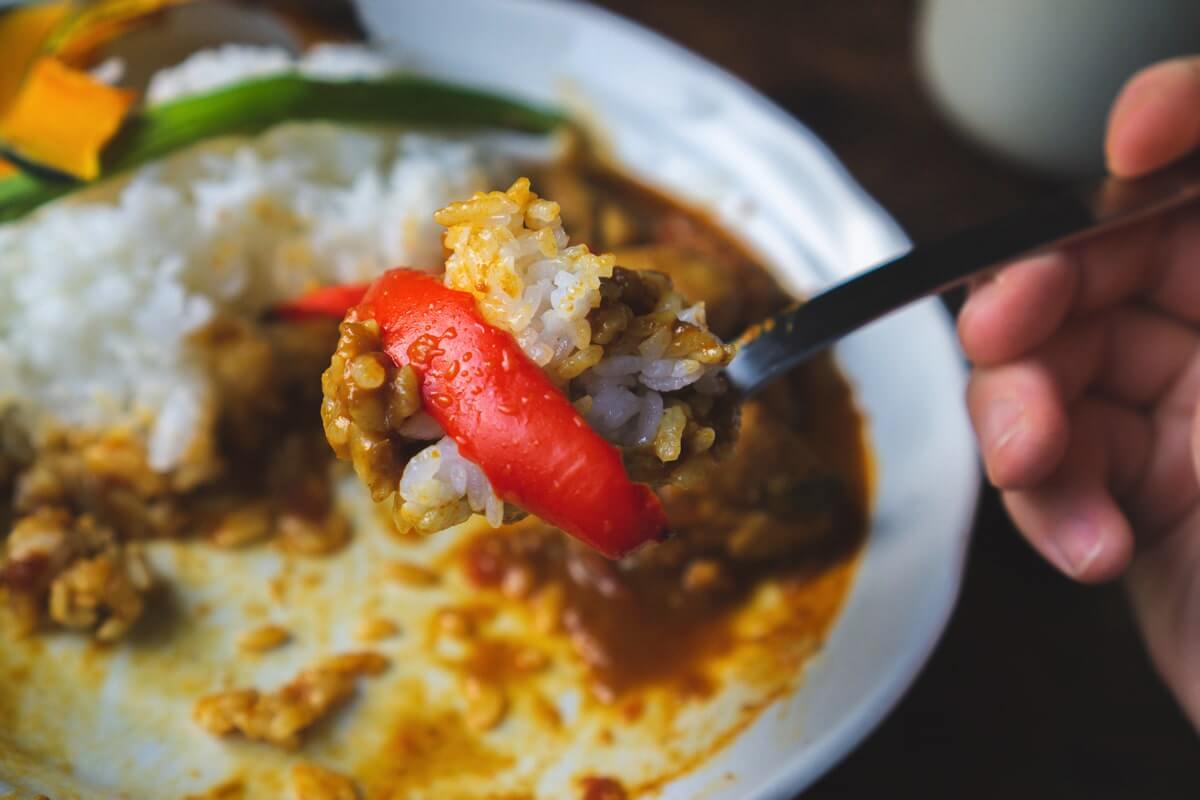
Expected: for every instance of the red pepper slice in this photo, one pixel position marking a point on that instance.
(327, 301)
(508, 418)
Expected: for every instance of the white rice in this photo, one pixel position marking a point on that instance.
(99, 294)
(439, 476)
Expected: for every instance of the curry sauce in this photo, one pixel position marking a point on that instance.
(788, 505)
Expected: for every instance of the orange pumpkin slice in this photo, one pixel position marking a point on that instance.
(62, 118)
(53, 114)
(22, 34)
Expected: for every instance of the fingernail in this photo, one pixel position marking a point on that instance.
(1077, 543)
(1004, 420)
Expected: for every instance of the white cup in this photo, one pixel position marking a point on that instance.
(1033, 79)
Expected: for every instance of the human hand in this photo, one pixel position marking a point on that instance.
(1085, 388)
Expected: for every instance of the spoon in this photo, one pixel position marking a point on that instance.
(773, 347)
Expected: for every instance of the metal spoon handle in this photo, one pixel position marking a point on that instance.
(772, 348)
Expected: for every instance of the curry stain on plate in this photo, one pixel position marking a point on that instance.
(419, 752)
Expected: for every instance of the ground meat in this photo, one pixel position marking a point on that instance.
(367, 402)
(486, 702)
(103, 593)
(74, 572)
(309, 536)
(76, 504)
(81, 508)
(310, 782)
(280, 717)
(104, 475)
(263, 638)
(412, 574)
(776, 499)
(242, 526)
(289, 501)
(374, 629)
(639, 313)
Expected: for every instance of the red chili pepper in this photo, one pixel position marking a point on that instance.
(327, 301)
(507, 417)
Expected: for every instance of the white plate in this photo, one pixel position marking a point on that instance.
(682, 124)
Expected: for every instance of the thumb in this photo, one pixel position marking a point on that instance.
(1156, 118)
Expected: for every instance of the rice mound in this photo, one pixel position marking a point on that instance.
(103, 297)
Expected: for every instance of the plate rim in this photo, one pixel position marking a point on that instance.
(796, 774)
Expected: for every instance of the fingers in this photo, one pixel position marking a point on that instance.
(1149, 362)
(1128, 360)
(1169, 485)
(1117, 265)
(1020, 422)
(1145, 355)
(1026, 303)
(1018, 309)
(1156, 118)
(1072, 518)
(1133, 356)
(1019, 409)
(1166, 488)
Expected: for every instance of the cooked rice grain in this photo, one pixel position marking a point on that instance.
(263, 638)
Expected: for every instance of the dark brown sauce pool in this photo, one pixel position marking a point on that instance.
(789, 505)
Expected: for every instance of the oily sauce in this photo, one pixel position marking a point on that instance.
(789, 505)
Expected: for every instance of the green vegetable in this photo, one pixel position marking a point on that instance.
(255, 105)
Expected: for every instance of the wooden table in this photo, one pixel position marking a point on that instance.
(1040, 688)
